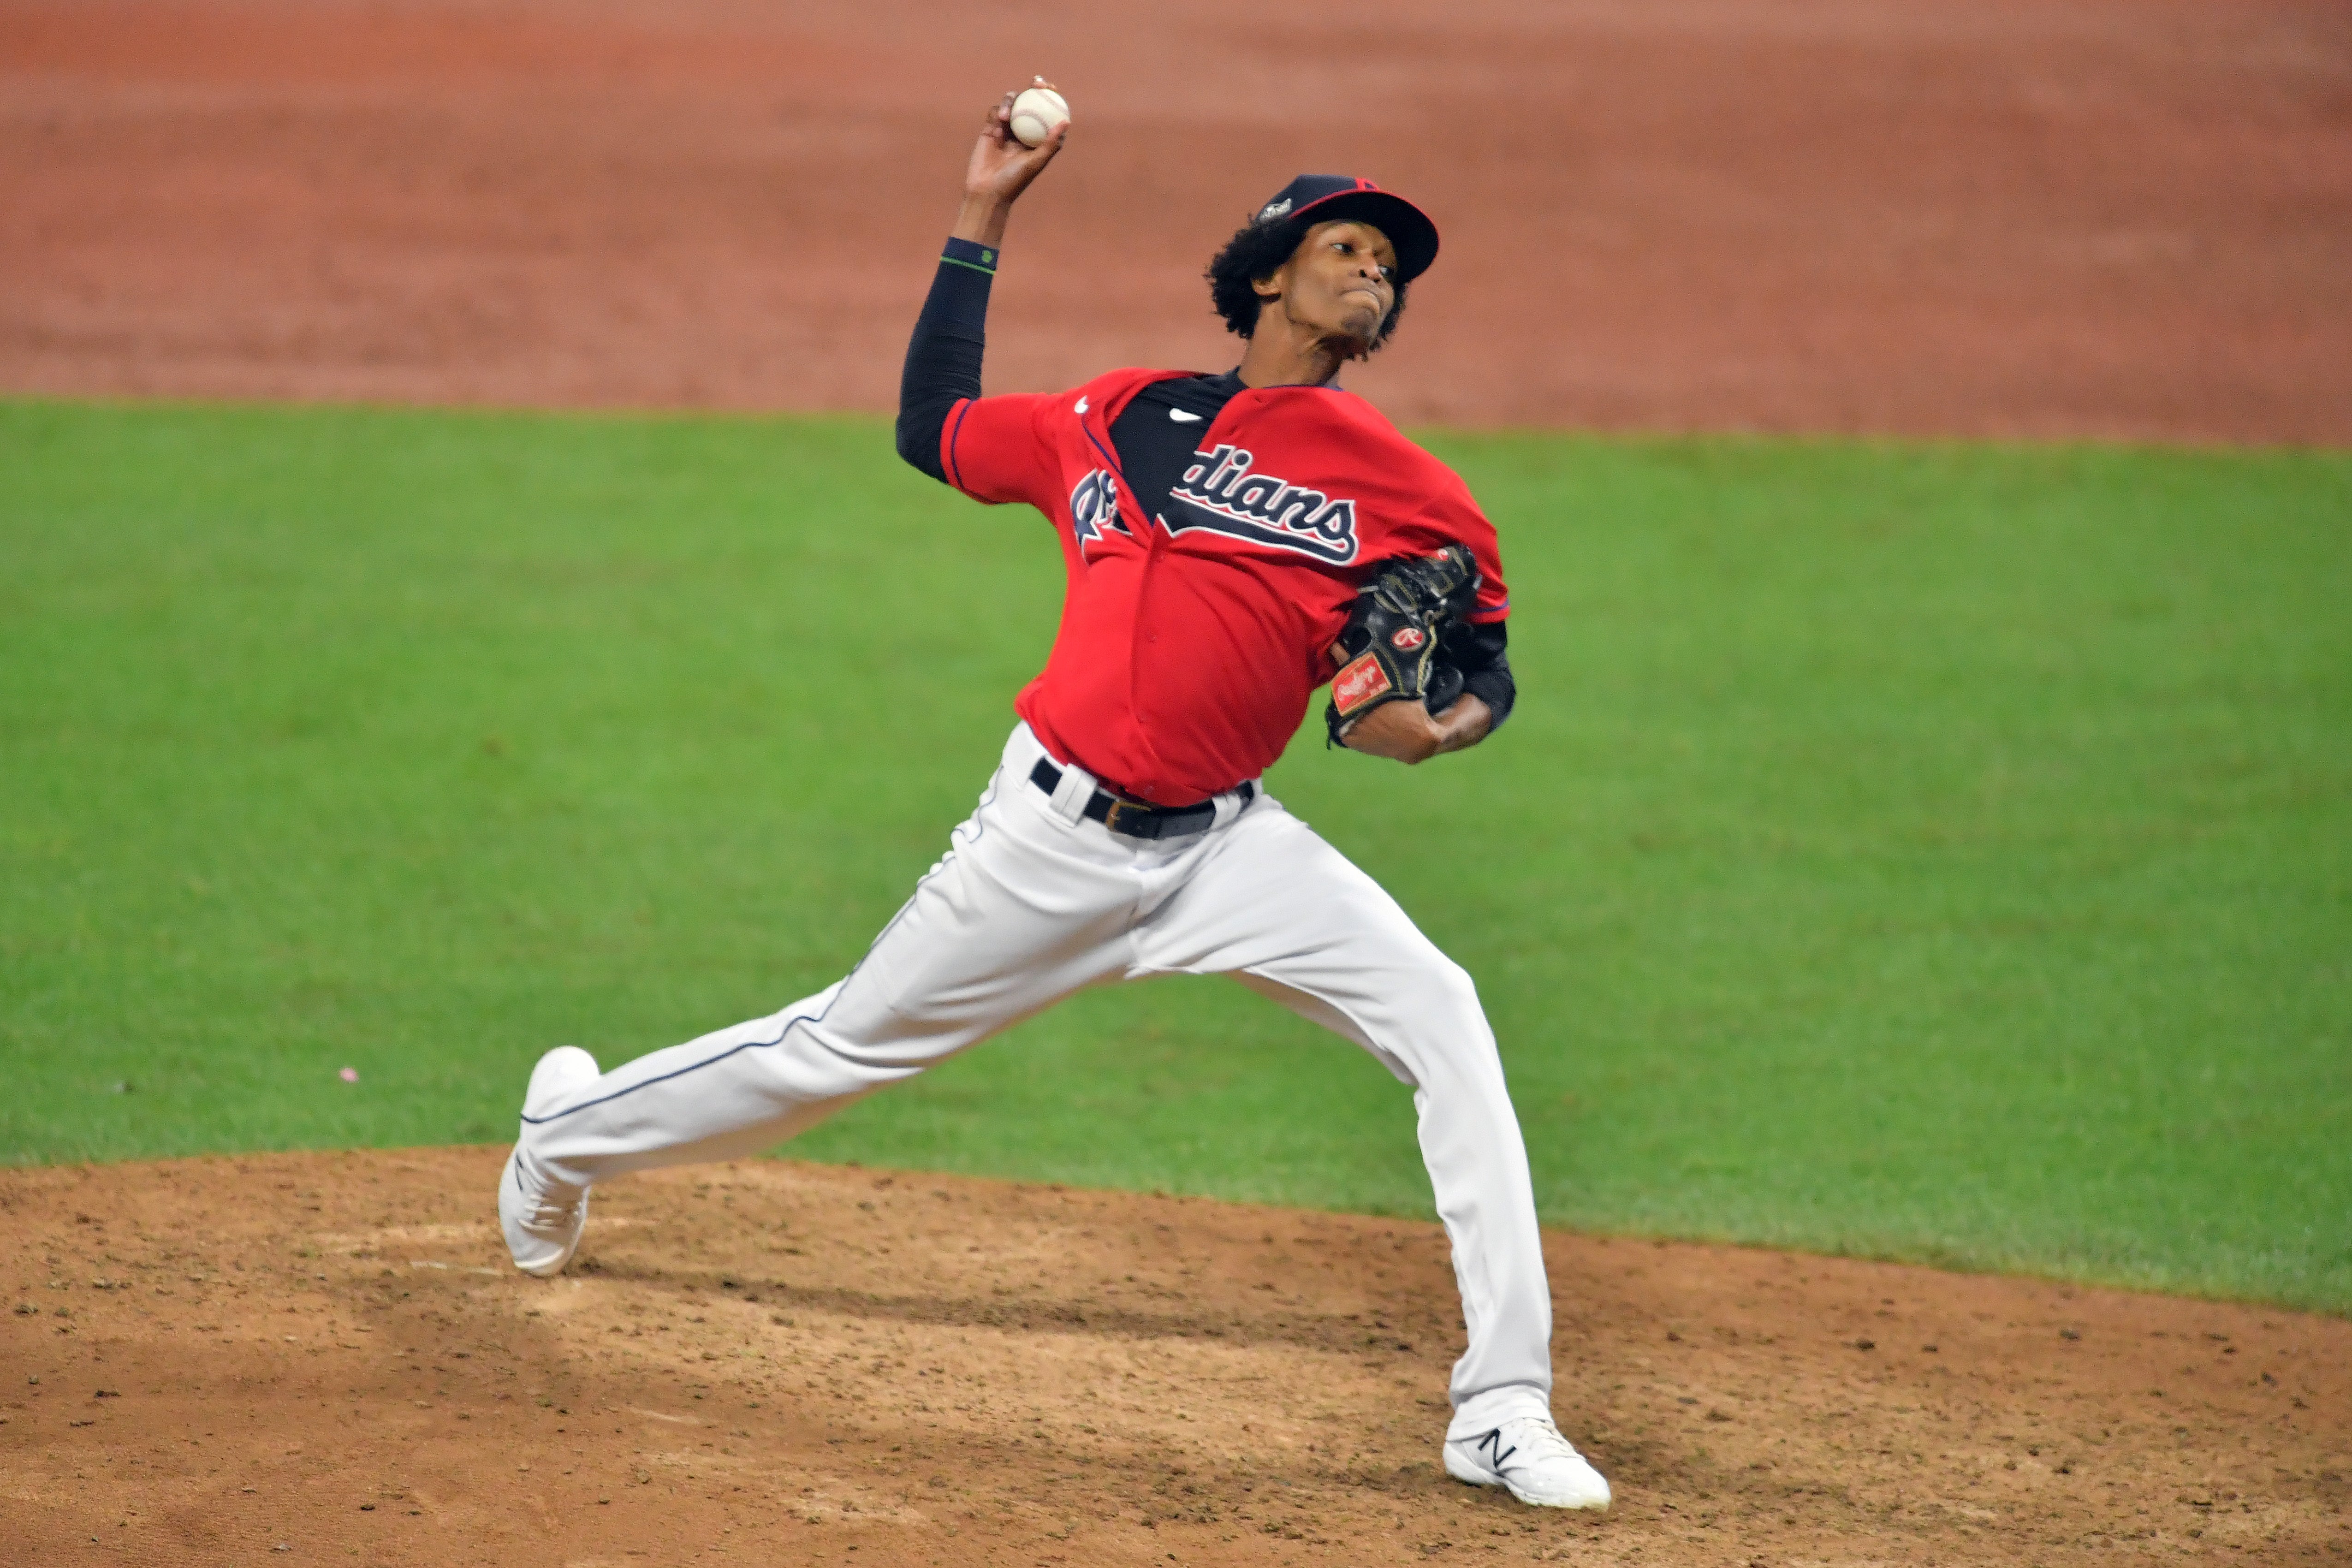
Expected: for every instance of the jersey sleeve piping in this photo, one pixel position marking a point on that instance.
(947, 447)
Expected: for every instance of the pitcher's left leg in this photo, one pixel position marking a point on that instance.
(1275, 905)
(1267, 900)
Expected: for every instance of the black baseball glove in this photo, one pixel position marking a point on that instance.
(1388, 651)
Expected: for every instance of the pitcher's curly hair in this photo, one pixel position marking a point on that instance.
(1258, 250)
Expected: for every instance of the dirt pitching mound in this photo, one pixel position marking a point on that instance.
(327, 1357)
(2103, 217)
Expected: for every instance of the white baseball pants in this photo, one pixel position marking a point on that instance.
(1031, 902)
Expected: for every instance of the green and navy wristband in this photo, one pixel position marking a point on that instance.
(971, 253)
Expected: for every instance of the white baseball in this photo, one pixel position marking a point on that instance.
(1036, 113)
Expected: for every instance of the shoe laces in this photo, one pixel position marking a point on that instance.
(546, 1213)
(547, 1210)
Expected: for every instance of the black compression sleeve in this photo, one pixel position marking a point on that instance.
(1477, 653)
(943, 357)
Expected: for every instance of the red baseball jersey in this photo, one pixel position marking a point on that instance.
(1196, 626)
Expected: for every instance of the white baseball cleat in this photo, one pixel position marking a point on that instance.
(543, 1218)
(1526, 1455)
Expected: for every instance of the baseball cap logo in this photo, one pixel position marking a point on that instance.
(1309, 198)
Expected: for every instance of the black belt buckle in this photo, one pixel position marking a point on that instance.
(1135, 820)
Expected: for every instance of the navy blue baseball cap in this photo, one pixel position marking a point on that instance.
(1328, 198)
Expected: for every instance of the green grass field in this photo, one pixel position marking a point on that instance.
(1928, 851)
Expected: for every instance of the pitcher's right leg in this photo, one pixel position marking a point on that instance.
(1023, 910)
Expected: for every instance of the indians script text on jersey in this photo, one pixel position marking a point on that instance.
(1196, 623)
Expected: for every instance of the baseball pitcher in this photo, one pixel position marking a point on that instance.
(1232, 542)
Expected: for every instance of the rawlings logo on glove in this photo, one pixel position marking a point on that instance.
(1388, 650)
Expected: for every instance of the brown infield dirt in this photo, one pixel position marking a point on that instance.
(2029, 218)
(322, 1357)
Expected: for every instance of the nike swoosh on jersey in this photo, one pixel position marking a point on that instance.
(1183, 419)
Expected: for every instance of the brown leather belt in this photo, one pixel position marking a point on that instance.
(1134, 819)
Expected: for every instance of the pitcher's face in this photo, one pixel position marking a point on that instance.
(1340, 283)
